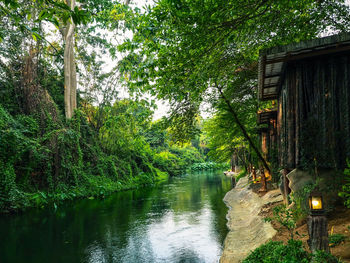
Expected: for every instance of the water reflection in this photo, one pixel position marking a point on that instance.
(179, 221)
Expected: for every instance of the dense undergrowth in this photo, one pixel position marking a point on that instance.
(45, 165)
(293, 251)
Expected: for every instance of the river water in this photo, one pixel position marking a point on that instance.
(182, 220)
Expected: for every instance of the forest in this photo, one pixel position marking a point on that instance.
(66, 132)
(80, 82)
(51, 152)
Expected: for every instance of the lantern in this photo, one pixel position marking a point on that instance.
(317, 223)
(316, 202)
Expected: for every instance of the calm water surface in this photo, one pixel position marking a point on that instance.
(182, 220)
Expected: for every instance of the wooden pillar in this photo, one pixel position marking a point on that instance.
(263, 180)
(233, 181)
(254, 174)
(232, 163)
(318, 233)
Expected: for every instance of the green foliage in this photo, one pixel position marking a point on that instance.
(195, 52)
(208, 166)
(156, 135)
(336, 239)
(168, 162)
(46, 165)
(55, 12)
(19, 153)
(277, 252)
(345, 193)
(324, 257)
(293, 251)
(301, 197)
(188, 154)
(177, 160)
(286, 217)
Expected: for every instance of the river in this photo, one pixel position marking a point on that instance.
(182, 220)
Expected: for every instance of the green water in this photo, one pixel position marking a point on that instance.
(183, 220)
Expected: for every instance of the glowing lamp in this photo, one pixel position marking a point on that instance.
(316, 202)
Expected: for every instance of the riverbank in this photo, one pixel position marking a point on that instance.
(247, 229)
(94, 187)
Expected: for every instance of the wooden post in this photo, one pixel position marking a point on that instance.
(285, 186)
(233, 181)
(254, 174)
(318, 233)
(263, 180)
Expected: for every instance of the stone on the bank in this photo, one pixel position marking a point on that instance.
(326, 178)
(248, 230)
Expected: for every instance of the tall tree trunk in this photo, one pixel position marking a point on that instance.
(70, 74)
(244, 131)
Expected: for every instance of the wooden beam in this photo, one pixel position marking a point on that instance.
(310, 54)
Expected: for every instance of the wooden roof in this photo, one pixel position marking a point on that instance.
(272, 61)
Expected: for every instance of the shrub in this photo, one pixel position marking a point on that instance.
(293, 252)
(208, 166)
(335, 239)
(286, 217)
(168, 162)
(277, 252)
(324, 257)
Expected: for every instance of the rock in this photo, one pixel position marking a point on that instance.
(298, 179)
(229, 173)
(281, 184)
(247, 230)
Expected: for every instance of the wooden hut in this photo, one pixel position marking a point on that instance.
(311, 82)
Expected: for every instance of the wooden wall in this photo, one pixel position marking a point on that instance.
(313, 112)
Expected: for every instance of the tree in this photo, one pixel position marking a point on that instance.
(27, 15)
(70, 73)
(191, 51)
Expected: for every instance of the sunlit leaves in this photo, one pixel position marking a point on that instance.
(54, 11)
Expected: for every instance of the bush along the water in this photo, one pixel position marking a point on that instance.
(208, 166)
(44, 165)
(176, 160)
